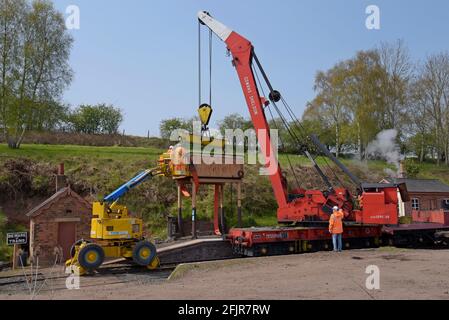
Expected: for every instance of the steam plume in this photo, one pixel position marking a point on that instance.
(385, 147)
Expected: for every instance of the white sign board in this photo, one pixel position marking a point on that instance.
(16, 238)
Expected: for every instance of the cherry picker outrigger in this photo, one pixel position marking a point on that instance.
(303, 214)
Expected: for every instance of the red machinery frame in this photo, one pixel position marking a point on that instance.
(378, 204)
(309, 204)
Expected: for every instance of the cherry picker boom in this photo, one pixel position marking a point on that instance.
(134, 182)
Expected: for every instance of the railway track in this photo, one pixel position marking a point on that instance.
(108, 275)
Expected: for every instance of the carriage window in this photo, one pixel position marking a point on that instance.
(446, 204)
(415, 204)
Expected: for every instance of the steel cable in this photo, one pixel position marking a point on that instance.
(300, 128)
(199, 64)
(277, 128)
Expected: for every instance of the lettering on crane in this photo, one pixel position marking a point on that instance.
(379, 217)
(248, 85)
(252, 101)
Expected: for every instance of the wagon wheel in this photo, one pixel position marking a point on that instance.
(144, 253)
(91, 256)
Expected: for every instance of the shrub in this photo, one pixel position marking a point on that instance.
(412, 169)
(5, 251)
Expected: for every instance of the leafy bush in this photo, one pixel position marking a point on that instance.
(98, 119)
(40, 183)
(412, 169)
(5, 251)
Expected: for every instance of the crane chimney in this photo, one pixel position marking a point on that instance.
(402, 173)
(61, 178)
(61, 169)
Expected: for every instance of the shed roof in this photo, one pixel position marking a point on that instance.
(422, 185)
(39, 209)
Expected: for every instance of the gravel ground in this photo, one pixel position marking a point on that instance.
(404, 274)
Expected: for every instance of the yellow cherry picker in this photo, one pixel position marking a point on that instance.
(114, 232)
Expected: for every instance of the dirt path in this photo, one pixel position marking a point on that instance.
(404, 274)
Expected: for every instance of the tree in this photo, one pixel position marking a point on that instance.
(234, 121)
(364, 98)
(98, 119)
(110, 119)
(419, 128)
(34, 53)
(330, 102)
(432, 93)
(382, 89)
(86, 119)
(286, 142)
(349, 101)
(52, 116)
(394, 58)
(167, 126)
(314, 122)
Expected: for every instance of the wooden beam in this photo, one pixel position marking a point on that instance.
(222, 219)
(194, 191)
(239, 204)
(14, 256)
(217, 210)
(180, 226)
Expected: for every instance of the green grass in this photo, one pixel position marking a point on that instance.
(432, 171)
(61, 152)
(427, 170)
(57, 153)
(266, 220)
(94, 171)
(322, 161)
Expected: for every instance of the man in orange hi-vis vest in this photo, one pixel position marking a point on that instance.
(336, 229)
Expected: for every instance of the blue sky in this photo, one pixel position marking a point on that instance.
(141, 55)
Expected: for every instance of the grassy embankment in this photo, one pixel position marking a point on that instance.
(95, 171)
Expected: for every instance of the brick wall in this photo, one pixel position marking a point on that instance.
(44, 227)
(427, 201)
(434, 216)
